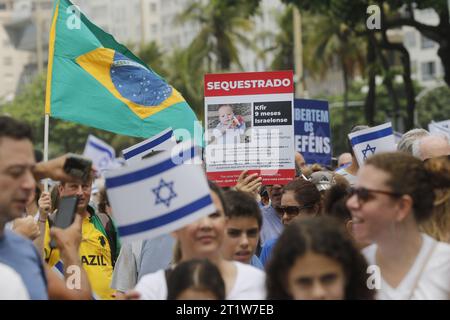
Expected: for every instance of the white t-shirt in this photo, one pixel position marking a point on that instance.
(249, 284)
(12, 285)
(351, 179)
(432, 272)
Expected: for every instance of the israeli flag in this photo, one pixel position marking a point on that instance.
(164, 140)
(101, 153)
(160, 194)
(441, 128)
(368, 142)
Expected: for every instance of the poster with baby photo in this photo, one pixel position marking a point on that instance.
(229, 123)
(249, 126)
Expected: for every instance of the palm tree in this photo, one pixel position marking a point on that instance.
(187, 78)
(284, 42)
(152, 55)
(222, 25)
(328, 41)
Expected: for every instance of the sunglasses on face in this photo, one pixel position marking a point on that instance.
(365, 194)
(292, 210)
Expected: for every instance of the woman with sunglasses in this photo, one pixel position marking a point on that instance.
(300, 199)
(394, 193)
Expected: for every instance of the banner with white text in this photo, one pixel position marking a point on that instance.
(312, 130)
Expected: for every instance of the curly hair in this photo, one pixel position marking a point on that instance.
(324, 236)
(438, 226)
(409, 176)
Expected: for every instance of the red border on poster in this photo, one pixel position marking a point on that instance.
(269, 177)
(248, 83)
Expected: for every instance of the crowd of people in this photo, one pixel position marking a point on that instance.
(376, 231)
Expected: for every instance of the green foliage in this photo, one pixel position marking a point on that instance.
(284, 44)
(64, 136)
(223, 24)
(435, 105)
(152, 55)
(384, 112)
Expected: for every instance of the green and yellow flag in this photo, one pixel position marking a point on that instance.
(95, 81)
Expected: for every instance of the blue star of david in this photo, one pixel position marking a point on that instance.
(367, 149)
(163, 197)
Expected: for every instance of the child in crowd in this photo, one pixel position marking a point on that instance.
(314, 259)
(243, 225)
(197, 279)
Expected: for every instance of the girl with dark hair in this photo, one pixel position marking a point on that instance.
(314, 259)
(197, 279)
(394, 194)
(203, 239)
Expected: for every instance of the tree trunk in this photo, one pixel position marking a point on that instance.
(444, 54)
(369, 105)
(390, 87)
(346, 89)
(409, 90)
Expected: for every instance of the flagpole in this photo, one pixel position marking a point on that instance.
(46, 129)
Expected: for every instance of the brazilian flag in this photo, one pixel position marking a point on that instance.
(95, 81)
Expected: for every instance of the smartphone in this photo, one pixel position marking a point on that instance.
(65, 214)
(78, 166)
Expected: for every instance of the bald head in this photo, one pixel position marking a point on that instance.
(431, 146)
(300, 161)
(344, 158)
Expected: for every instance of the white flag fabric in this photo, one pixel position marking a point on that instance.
(164, 140)
(101, 153)
(441, 127)
(160, 194)
(373, 140)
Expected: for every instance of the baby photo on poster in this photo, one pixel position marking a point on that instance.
(229, 123)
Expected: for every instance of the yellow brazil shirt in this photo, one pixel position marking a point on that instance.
(95, 255)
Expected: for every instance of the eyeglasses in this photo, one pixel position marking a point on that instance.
(364, 194)
(292, 210)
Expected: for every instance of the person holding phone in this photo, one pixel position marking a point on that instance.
(100, 245)
(17, 181)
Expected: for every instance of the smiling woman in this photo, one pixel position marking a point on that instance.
(394, 193)
(203, 239)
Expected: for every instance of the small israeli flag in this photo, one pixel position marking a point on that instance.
(441, 127)
(160, 194)
(101, 153)
(370, 141)
(164, 140)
